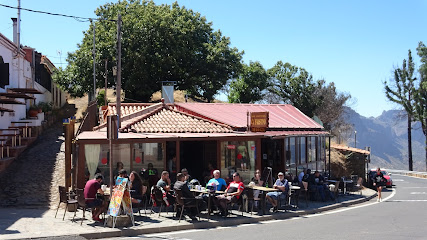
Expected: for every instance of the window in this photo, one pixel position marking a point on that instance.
(4, 74)
(303, 150)
(238, 156)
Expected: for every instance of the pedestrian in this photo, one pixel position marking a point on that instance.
(379, 182)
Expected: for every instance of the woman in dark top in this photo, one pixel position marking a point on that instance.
(378, 182)
(136, 187)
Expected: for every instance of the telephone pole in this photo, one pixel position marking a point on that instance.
(119, 69)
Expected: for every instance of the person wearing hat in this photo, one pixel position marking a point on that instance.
(281, 185)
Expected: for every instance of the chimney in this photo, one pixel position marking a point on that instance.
(15, 30)
(167, 91)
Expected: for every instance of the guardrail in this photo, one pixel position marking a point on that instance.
(408, 173)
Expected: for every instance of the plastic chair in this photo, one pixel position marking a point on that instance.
(65, 198)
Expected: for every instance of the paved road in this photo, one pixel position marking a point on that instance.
(402, 215)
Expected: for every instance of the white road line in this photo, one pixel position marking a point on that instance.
(274, 221)
(418, 193)
(414, 187)
(421, 200)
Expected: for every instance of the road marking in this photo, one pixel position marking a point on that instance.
(398, 180)
(270, 221)
(421, 200)
(418, 193)
(415, 187)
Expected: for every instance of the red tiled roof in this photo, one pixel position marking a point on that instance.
(165, 120)
(235, 115)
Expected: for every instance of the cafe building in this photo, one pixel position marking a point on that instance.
(202, 137)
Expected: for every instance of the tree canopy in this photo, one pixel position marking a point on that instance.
(159, 43)
(250, 85)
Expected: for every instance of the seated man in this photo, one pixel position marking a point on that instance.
(165, 183)
(91, 188)
(187, 176)
(232, 194)
(319, 185)
(220, 183)
(181, 185)
(282, 185)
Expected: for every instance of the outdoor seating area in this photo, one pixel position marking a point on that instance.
(187, 199)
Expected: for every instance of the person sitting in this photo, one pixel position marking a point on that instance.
(150, 174)
(300, 176)
(232, 194)
(123, 173)
(93, 187)
(182, 186)
(119, 166)
(187, 176)
(165, 184)
(257, 182)
(282, 185)
(220, 183)
(318, 184)
(137, 189)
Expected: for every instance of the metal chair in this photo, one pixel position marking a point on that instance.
(82, 202)
(182, 203)
(157, 198)
(64, 197)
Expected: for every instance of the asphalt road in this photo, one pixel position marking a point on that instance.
(401, 215)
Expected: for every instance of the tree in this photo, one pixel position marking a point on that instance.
(159, 43)
(401, 91)
(421, 93)
(295, 86)
(332, 106)
(249, 85)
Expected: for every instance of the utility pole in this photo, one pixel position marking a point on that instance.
(355, 132)
(119, 69)
(94, 65)
(105, 87)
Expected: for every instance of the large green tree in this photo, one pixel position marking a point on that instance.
(401, 91)
(294, 85)
(421, 93)
(159, 43)
(250, 85)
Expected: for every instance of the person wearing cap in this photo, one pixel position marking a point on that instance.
(282, 185)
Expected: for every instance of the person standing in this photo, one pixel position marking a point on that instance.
(379, 182)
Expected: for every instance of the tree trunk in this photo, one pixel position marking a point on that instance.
(410, 142)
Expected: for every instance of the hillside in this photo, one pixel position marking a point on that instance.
(387, 136)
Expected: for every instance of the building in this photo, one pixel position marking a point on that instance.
(202, 137)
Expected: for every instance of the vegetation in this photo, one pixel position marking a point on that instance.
(159, 43)
(401, 91)
(420, 113)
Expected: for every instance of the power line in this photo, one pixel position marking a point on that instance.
(80, 19)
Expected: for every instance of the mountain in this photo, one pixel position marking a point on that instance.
(388, 138)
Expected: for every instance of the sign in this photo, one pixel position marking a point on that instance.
(120, 197)
(259, 121)
(66, 121)
(230, 146)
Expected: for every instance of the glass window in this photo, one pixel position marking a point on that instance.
(302, 150)
(311, 149)
(290, 155)
(238, 156)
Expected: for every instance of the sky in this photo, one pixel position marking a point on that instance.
(355, 44)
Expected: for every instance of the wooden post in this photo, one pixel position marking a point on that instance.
(68, 139)
(72, 166)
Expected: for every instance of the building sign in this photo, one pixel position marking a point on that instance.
(230, 146)
(259, 121)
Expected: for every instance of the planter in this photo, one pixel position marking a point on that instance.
(33, 112)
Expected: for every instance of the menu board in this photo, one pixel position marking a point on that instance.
(121, 196)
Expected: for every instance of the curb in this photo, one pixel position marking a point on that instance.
(206, 225)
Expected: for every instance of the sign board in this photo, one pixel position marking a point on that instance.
(120, 197)
(230, 146)
(259, 121)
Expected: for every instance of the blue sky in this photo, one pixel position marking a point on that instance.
(355, 44)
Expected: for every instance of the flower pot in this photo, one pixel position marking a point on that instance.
(33, 112)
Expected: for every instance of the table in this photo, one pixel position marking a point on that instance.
(264, 190)
(345, 185)
(210, 195)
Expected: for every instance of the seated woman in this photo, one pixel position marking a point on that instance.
(137, 189)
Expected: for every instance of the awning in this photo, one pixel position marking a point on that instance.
(16, 95)
(26, 90)
(6, 110)
(9, 101)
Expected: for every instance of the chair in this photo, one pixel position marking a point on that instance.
(306, 192)
(248, 196)
(180, 202)
(64, 198)
(157, 198)
(239, 203)
(144, 201)
(81, 202)
(337, 190)
(358, 186)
